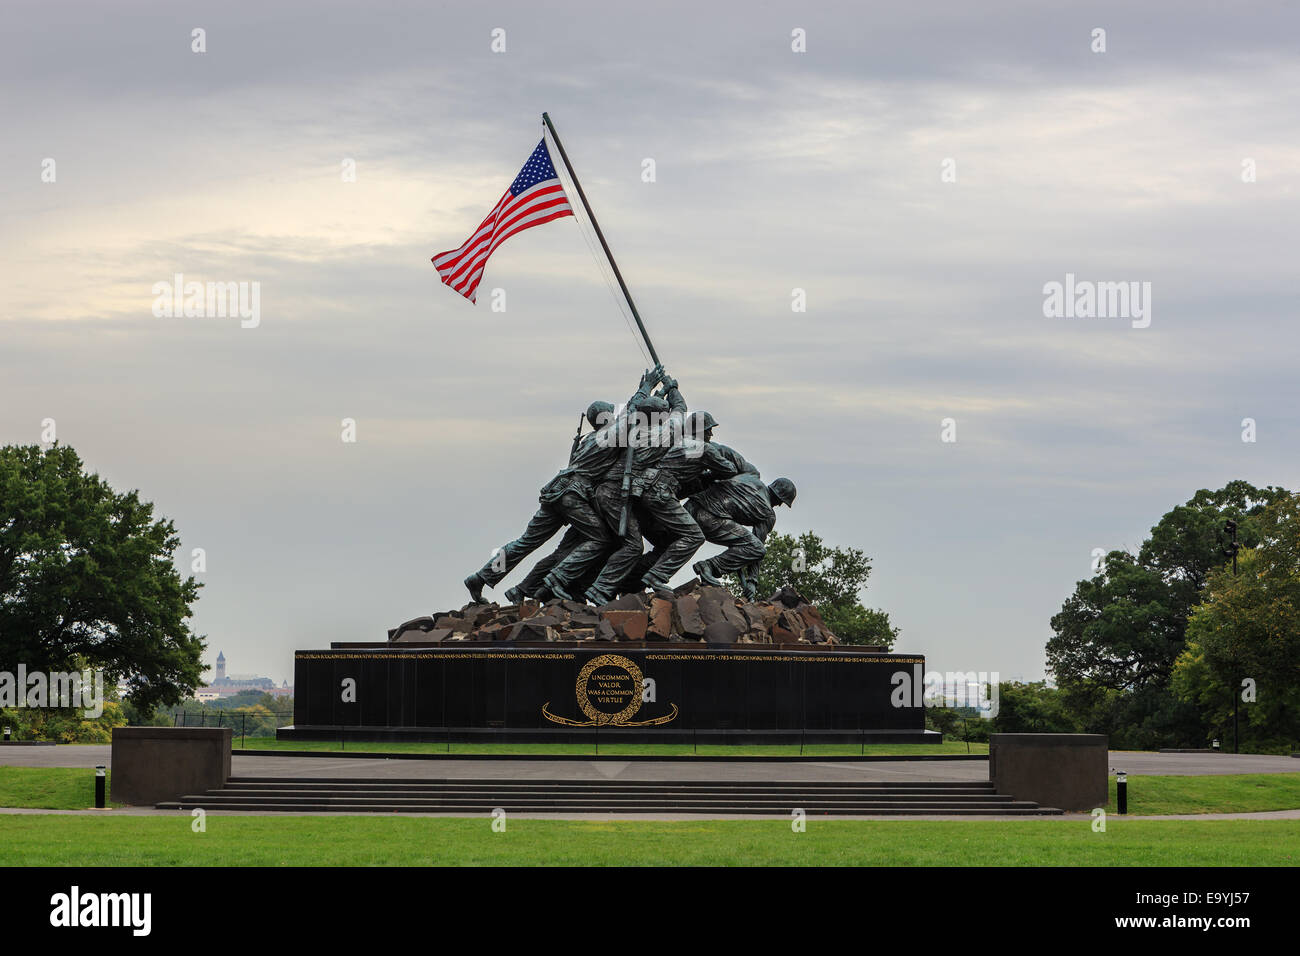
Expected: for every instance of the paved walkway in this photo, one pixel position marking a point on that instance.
(487, 768)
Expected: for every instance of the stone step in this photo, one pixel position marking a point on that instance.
(1016, 808)
(610, 784)
(577, 797)
(726, 797)
(607, 791)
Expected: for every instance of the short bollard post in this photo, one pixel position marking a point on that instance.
(99, 787)
(6, 734)
(1121, 791)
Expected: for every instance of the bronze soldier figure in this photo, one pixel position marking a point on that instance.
(690, 483)
(648, 443)
(723, 510)
(663, 458)
(566, 498)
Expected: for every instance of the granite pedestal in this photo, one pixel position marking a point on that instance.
(152, 764)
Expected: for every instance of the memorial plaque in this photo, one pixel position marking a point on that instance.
(610, 691)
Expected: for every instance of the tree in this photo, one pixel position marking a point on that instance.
(1118, 636)
(1247, 628)
(853, 623)
(1191, 540)
(87, 579)
(65, 725)
(831, 578)
(1032, 708)
(1121, 630)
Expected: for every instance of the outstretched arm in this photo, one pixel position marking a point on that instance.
(649, 380)
(718, 464)
(672, 395)
(641, 398)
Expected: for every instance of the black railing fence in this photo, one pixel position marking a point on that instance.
(244, 724)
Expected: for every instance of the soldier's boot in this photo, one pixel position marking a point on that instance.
(704, 571)
(597, 597)
(475, 584)
(515, 595)
(558, 591)
(655, 583)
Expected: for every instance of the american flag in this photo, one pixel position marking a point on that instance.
(535, 197)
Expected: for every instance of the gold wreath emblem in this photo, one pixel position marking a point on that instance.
(598, 717)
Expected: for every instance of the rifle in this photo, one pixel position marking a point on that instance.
(626, 490)
(576, 436)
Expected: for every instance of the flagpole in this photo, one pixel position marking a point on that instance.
(601, 236)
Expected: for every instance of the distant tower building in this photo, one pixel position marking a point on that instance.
(221, 666)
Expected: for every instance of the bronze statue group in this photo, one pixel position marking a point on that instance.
(648, 470)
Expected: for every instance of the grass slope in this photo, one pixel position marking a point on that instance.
(51, 788)
(1211, 793)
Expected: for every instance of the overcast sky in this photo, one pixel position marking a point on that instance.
(774, 170)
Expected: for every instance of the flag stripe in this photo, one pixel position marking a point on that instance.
(501, 218)
(485, 225)
(502, 226)
(535, 197)
(505, 227)
(479, 271)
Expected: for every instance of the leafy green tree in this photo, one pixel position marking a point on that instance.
(1121, 630)
(853, 623)
(1032, 708)
(87, 579)
(135, 717)
(1247, 628)
(1190, 541)
(1118, 636)
(256, 721)
(831, 578)
(233, 711)
(945, 720)
(64, 725)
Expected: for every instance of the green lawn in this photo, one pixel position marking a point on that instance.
(51, 788)
(386, 841)
(1212, 793)
(614, 749)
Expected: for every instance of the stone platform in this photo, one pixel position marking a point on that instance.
(693, 665)
(630, 691)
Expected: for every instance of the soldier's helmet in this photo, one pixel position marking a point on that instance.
(698, 424)
(783, 488)
(597, 410)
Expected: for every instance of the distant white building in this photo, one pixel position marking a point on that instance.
(223, 686)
